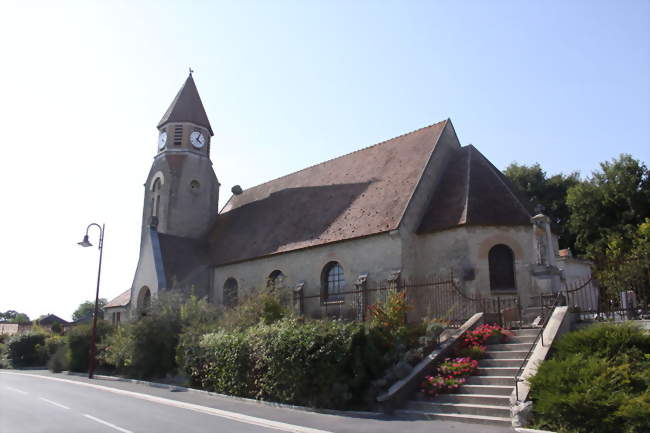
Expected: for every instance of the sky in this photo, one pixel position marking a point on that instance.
(286, 84)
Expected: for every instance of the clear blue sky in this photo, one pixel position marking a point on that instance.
(286, 84)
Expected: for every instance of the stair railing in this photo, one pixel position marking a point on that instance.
(540, 335)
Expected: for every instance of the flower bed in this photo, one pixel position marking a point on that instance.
(450, 375)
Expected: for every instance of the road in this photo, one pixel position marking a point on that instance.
(39, 401)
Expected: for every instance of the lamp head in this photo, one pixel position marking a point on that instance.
(85, 242)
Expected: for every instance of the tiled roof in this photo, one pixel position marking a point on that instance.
(120, 300)
(186, 107)
(474, 192)
(363, 193)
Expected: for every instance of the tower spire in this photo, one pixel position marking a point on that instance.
(187, 107)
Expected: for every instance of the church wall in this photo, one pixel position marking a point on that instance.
(375, 255)
(464, 250)
(145, 274)
(447, 145)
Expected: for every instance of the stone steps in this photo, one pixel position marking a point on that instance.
(485, 397)
(491, 380)
(488, 389)
(459, 408)
(505, 354)
(501, 362)
(476, 419)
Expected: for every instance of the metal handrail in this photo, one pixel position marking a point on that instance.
(540, 334)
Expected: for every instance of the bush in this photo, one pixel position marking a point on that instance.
(604, 340)
(318, 363)
(597, 382)
(150, 347)
(58, 360)
(79, 343)
(27, 350)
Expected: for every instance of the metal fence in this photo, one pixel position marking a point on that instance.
(437, 297)
(590, 301)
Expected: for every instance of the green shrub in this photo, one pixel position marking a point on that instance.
(604, 340)
(79, 338)
(257, 306)
(149, 347)
(27, 350)
(597, 382)
(58, 361)
(317, 363)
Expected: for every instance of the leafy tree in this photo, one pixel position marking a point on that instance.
(549, 192)
(86, 309)
(609, 206)
(21, 318)
(14, 317)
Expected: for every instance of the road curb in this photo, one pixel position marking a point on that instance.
(362, 414)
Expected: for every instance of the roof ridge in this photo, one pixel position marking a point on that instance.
(344, 155)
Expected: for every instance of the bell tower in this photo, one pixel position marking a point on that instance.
(182, 192)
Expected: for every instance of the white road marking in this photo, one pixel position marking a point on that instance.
(16, 390)
(235, 416)
(101, 421)
(54, 403)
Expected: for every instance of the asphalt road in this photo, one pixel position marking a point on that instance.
(39, 401)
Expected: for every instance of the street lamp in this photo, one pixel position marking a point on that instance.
(86, 243)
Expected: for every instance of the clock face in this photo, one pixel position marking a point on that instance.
(197, 139)
(162, 139)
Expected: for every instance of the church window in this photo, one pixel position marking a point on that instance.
(195, 185)
(144, 300)
(276, 280)
(333, 281)
(178, 135)
(502, 268)
(230, 297)
(155, 197)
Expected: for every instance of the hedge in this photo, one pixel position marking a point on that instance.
(319, 364)
(598, 381)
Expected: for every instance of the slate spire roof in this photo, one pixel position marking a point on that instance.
(187, 107)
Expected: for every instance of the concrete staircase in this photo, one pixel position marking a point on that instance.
(485, 397)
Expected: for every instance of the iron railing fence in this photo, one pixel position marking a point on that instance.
(435, 297)
(591, 302)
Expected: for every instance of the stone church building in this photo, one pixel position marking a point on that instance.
(410, 207)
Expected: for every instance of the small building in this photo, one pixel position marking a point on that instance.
(117, 308)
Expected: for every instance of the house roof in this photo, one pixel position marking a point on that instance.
(51, 319)
(187, 107)
(120, 300)
(359, 194)
(472, 191)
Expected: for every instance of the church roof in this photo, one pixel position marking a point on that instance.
(187, 107)
(120, 300)
(360, 194)
(474, 192)
(181, 257)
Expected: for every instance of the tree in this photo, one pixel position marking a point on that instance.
(610, 205)
(86, 309)
(549, 192)
(14, 316)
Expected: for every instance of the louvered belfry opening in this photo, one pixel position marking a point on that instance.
(502, 268)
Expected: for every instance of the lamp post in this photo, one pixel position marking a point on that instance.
(86, 243)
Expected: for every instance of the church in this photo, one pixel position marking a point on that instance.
(410, 207)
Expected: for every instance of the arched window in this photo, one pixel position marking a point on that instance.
(276, 280)
(155, 197)
(502, 268)
(333, 281)
(230, 297)
(144, 300)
